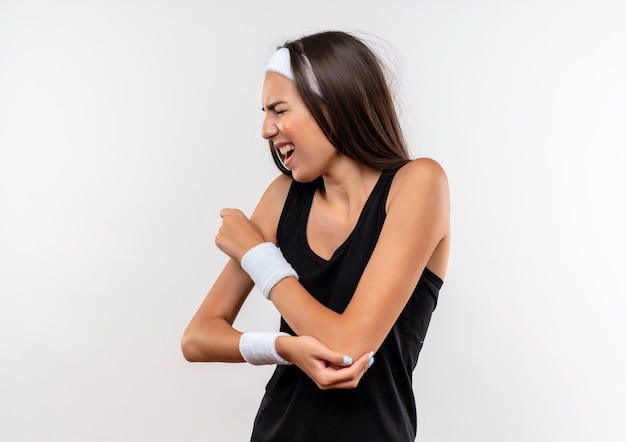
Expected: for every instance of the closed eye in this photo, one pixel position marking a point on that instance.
(272, 107)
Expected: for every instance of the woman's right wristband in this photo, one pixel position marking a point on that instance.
(266, 266)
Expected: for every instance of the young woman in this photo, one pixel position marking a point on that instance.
(350, 243)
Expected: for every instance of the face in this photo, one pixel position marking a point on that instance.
(303, 147)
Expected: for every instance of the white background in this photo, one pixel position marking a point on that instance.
(126, 125)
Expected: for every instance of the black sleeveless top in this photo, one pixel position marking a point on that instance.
(382, 407)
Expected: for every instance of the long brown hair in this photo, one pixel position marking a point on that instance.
(354, 108)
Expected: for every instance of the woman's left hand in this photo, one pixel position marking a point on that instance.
(327, 368)
(237, 234)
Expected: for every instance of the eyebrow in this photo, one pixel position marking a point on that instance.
(272, 106)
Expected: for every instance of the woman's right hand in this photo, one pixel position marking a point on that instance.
(327, 368)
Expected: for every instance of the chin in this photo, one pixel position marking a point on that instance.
(302, 177)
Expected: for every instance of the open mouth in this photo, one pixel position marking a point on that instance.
(285, 152)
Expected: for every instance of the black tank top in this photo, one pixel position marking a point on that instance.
(382, 407)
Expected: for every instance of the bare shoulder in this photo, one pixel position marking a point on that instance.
(276, 192)
(419, 200)
(422, 169)
(269, 208)
(418, 177)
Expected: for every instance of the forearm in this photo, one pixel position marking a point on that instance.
(214, 340)
(210, 336)
(306, 316)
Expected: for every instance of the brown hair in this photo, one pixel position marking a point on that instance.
(355, 110)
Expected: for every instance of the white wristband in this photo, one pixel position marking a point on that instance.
(260, 348)
(266, 265)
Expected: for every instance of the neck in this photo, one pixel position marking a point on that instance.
(348, 186)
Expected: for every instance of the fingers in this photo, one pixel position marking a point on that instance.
(230, 211)
(370, 359)
(348, 376)
(333, 359)
(225, 212)
(338, 361)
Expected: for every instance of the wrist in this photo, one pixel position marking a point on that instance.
(260, 348)
(282, 346)
(266, 266)
(248, 248)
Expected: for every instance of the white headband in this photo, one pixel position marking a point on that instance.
(280, 63)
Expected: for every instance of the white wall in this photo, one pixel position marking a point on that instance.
(126, 125)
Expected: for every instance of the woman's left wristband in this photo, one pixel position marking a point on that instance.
(258, 348)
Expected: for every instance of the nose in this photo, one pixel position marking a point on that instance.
(269, 128)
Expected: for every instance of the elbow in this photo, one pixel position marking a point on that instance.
(188, 347)
(356, 342)
(204, 342)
